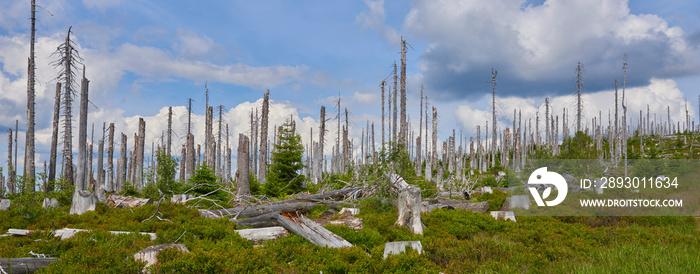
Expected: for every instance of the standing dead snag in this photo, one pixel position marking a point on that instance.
(54, 138)
(242, 182)
(83, 200)
(31, 79)
(262, 167)
(404, 126)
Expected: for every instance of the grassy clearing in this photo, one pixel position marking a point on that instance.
(454, 242)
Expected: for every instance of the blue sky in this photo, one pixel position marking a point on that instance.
(143, 56)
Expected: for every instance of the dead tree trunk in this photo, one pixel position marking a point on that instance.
(25, 265)
(311, 231)
(579, 103)
(191, 157)
(10, 168)
(31, 78)
(100, 155)
(242, 182)
(170, 130)
(321, 140)
(409, 205)
(121, 179)
(262, 168)
(110, 160)
(434, 157)
(139, 153)
(404, 125)
(54, 138)
(83, 198)
(394, 125)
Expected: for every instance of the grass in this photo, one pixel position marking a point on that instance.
(455, 241)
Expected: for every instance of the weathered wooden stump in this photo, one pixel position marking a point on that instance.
(50, 203)
(149, 254)
(263, 234)
(398, 247)
(506, 215)
(24, 265)
(409, 208)
(5, 204)
(83, 201)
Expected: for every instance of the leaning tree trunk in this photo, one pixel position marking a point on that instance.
(243, 183)
(83, 198)
(262, 167)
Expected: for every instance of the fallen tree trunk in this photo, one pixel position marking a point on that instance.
(480, 207)
(126, 201)
(24, 265)
(264, 220)
(311, 231)
(257, 235)
(257, 210)
(351, 222)
(333, 194)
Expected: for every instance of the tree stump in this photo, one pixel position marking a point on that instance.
(50, 203)
(398, 247)
(83, 201)
(149, 254)
(409, 208)
(5, 204)
(506, 215)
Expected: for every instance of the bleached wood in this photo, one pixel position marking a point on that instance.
(311, 231)
(24, 265)
(263, 234)
(149, 254)
(393, 248)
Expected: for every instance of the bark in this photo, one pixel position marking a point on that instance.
(311, 231)
(404, 124)
(110, 160)
(252, 211)
(183, 161)
(264, 220)
(257, 235)
(139, 153)
(29, 165)
(262, 167)
(10, 168)
(82, 182)
(24, 265)
(149, 254)
(409, 208)
(242, 182)
(100, 171)
(191, 157)
(394, 126)
(170, 130)
(122, 167)
(54, 138)
(382, 86)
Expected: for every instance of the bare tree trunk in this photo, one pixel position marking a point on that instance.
(434, 157)
(190, 158)
(139, 149)
(404, 125)
(121, 179)
(100, 155)
(262, 169)
(394, 124)
(54, 138)
(10, 167)
(382, 86)
(242, 182)
(219, 165)
(29, 149)
(110, 159)
(170, 130)
(83, 200)
(579, 103)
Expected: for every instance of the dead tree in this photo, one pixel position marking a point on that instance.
(83, 198)
(404, 126)
(110, 160)
(579, 103)
(123, 161)
(493, 112)
(191, 157)
(262, 169)
(68, 59)
(139, 155)
(219, 165)
(242, 182)
(394, 125)
(54, 138)
(382, 87)
(170, 130)
(31, 79)
(434, 147)
(10, 167)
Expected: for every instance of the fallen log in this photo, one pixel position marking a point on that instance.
(257, 235)
(119, 201)
(257, 210)
(311, 231)
(352, 222)
(333, 194)
(66, 233)
(264, 220)
(24, 265)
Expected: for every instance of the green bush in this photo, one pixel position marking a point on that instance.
(497, 198)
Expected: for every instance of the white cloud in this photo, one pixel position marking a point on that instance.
(538, 46)
(374, 19)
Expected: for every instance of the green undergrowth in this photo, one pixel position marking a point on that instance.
(454, 241)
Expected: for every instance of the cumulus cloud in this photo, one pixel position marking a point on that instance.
(374, 19)
(536, 48)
